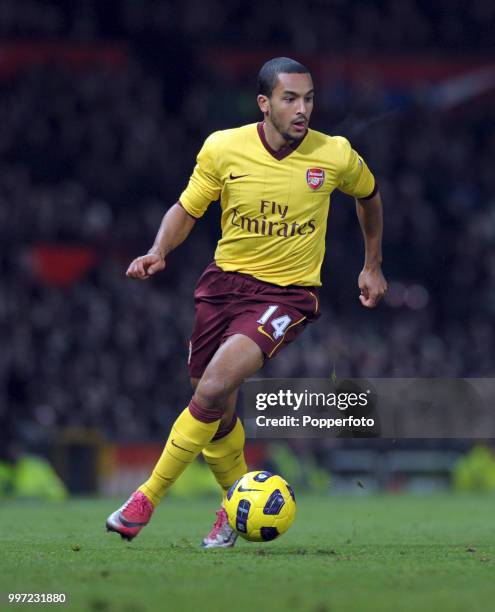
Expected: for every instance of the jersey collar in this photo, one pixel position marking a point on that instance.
(282, 153)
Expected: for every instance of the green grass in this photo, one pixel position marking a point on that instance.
(381, 553)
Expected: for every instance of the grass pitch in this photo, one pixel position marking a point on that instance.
(381, 553)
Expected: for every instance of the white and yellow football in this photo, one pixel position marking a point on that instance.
(260, 506)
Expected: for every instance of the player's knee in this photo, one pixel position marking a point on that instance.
(213, 392)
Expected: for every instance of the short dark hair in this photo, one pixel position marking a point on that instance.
(268, 75)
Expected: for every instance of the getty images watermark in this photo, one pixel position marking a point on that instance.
(369, 408)
(312, 399)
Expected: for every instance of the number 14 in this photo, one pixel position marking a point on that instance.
(279, 324)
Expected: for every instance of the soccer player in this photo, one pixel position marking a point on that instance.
(274, 181)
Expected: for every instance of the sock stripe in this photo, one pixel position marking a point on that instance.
(171, 480)
(205, 415)
(224, 430)
(176, 458)
(225, 471)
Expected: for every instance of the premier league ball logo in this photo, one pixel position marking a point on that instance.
(315, 178)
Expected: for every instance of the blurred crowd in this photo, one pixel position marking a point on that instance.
(315, 25)
(95, 158)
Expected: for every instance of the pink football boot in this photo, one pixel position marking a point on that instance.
(130, 518)
(222, 535)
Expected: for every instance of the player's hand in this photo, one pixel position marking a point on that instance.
(373, 286)
(145, 266)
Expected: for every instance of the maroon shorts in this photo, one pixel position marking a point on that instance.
(228, 303)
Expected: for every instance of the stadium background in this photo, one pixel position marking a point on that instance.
(104, 107)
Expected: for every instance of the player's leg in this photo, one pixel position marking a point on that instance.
(225, 453)
(225, 457)
(235, 360)
(229, 410)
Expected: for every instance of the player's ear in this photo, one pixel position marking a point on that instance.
(263, 103)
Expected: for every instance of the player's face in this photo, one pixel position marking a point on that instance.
(290, 106)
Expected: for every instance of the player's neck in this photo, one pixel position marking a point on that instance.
(274, 138)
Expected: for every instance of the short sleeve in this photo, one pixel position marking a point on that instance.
(204, 185)
(356, 178)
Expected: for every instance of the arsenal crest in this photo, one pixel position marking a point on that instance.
(315, 177)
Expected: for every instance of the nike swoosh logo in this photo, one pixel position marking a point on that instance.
(229, 539)
(233, 178)
(177, 446)
(130, 523)
(241, 489)
(262, 331)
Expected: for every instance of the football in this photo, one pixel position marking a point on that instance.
(260, 506)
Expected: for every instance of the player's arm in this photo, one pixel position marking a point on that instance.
(356, 180)
(174, 229)
(371, 281)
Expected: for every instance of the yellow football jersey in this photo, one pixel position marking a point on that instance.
(274, 204)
